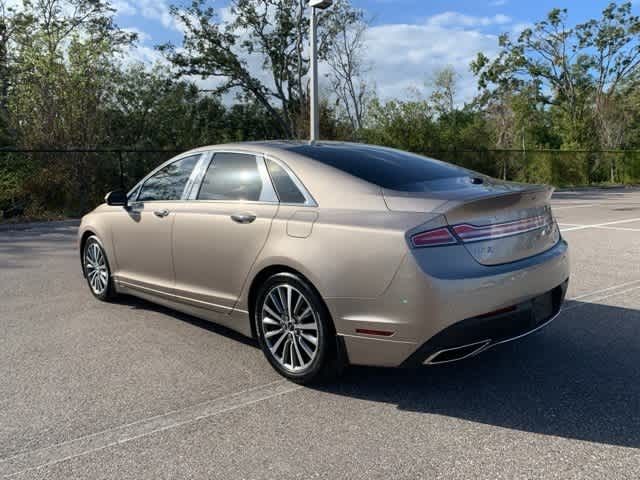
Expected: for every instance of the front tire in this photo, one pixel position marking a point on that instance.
(96, 270)
(295, 330)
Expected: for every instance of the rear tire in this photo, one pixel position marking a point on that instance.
(95, 265)
(295, 330)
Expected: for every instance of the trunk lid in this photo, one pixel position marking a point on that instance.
(498, 222)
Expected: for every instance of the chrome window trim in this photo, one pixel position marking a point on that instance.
(197, 175)
(309, 201)
(199, 172)
(176, 158)
(267, 194)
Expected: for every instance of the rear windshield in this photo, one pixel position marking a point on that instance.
(388, 168)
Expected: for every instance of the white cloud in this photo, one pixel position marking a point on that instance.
(157, 10)
(404, 56)
(460, 20)
(123, 7)
(142, 35)
(498, 3)
(12, 3)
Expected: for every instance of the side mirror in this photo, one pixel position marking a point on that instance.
(116, 198)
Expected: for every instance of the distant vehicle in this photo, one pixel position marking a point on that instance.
(334, 253)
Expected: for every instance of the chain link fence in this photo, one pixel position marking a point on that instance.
(56, 183)
(561, 168)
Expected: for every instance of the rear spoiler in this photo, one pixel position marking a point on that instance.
(491, 207)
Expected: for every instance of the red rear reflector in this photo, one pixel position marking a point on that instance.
(432, 238)
(473, 233)
(381, 333)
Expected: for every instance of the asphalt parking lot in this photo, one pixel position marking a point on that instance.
(134, 391)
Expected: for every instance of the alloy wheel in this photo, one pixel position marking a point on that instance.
(290, 327)
(96, 268)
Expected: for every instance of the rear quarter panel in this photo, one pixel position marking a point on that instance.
(347, 254)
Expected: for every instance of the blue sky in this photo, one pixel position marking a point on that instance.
(413, 11)
(408, 40)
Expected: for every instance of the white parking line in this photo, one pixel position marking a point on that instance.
(591, 301)
(615, 287)
(566, 192)
(622, 229)
(47, 456)
(564, 207)
(598, 225)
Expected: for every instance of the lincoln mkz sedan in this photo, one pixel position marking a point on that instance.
(334, 253)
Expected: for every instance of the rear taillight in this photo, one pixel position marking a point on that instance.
(433, 238)
(467, 233)
(472, 233)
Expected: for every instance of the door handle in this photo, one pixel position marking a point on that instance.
(161, 213)
(243, 217)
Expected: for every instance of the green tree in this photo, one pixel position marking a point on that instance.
(578, 71)
(444, 85)
(66, 58)
(12, 21)
(546, 55)
(408, 125)
(347, 66)
(275, 32)
(614, 41)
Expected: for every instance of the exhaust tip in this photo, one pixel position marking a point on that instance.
(454, 354)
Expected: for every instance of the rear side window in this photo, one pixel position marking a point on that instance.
(232, 176)
(284, 185)
(169, 182)
(385, 167)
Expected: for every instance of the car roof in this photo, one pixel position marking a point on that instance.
(293, 146)
(328, 185)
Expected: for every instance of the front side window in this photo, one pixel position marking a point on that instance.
(286, 188)
(232, 176)
(169, 182)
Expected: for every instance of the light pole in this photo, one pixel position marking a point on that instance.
(315, 114)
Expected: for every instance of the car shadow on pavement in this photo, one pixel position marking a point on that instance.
(140, 304)
(578, 379)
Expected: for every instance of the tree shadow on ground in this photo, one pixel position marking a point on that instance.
(23, 246)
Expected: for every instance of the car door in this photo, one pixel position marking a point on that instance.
(142, 233)
(218, 235)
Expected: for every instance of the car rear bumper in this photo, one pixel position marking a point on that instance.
(474, 335)
(429, 308)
